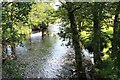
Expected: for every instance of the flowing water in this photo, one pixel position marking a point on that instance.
(44, 57)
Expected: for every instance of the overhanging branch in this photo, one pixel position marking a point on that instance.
(6, 4)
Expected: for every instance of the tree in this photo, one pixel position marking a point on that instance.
(97, 14)
(41, 16)
(12, 14)
(96, 20)
(116, 38)
(71, 8)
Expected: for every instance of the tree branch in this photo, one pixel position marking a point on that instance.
(68, 9)
(6, 4)
(76, 8)
(63, 4)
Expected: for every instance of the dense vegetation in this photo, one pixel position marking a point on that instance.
(94, 26)
(91, 25)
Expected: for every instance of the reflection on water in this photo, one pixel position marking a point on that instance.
(45, 57)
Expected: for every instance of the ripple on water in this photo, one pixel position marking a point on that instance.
(45, 58)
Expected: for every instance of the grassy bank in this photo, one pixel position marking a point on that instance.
(13, 69)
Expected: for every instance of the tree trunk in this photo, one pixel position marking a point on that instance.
(77, 47)
(115, 32)
(42, 34)
(30, 41)
(116, 39)
(96, 36)
(13, 49)
(3, 51)
(29, 36)
(4, 47)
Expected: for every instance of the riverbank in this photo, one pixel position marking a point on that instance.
(13, 69)
(68, 68)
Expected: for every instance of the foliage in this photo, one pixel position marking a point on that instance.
(13, 15)
(89, 24)
(84, 18)
(41, 13)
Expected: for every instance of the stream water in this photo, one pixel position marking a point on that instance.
(44, 57)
